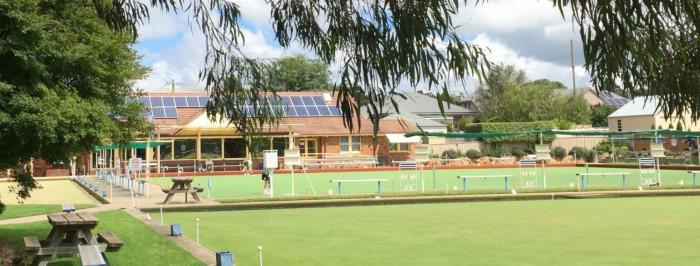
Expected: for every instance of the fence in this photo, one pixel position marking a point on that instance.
(506, 147)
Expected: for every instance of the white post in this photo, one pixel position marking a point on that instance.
(161, 215)
(544, 176)
(293, 190)
(260, 255)
(197, 231)
(272, 185)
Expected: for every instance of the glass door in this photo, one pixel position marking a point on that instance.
(307, 147)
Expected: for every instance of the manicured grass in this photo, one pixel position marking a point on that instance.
(623, 231)
(558, 178)
(50, 192)
(22, 210)
(142, 245)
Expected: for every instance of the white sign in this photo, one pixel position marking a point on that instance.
(421, 153)
(542, 152)
(270, 159)
(674, 142)
(292, 157)
(135, 164)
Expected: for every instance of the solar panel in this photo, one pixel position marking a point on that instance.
(168, 101)
(170, 112)
(286, 100)
(156, 101)
(301, 111)
(324, 111)
(192, 102)
(180, 102)
(158, 112)
(297, 100)
(308, 100)
(312, 110)
(203, 100)
(334, 110)
(145, 101)
(319, 100)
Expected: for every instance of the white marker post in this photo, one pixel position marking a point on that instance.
(161, 215)
(260, 255)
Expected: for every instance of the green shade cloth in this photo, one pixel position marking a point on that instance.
(660, 132)
(133, 145)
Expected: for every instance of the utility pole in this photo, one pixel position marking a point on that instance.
(172, 85)
(571, 53)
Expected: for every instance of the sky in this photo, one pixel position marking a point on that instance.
(530, 34)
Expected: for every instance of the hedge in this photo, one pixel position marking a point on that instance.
(512, 127)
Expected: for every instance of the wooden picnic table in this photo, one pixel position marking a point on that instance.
(71, 234)
(181, 185)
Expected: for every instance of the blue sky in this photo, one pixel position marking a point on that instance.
(529, 34)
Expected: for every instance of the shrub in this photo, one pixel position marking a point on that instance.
(473, 154)
(604, 147)
(558, 153)
(464, 122)
(450, 154)
(589, 156)
(518, 152)
(579, 151)
(563, 124)
(512, 127)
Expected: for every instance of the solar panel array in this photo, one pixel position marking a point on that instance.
(613, 99)
(291, 106)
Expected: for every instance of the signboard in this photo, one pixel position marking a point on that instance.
(674, 142)
(421, 153)
(270, 159)
(657, 150)
(542, 152)
(135, 164)
(292, 157)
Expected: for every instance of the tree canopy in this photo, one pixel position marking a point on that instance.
(64, 81)
(507, 96)
(299, 73)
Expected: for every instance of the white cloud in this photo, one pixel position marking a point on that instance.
(161, 25)
(533, 67)
(506, 16)
(256, 11)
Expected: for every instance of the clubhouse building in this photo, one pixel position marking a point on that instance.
(185, 138)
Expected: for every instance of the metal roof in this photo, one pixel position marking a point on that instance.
(638, 106)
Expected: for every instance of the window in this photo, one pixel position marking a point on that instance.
(399, 147)
(185, 149)
(280, 144)
(258, 145)
(619, 125)
(141, 153)
(350, 144)
(210, 148)
(234, 148)
(166, 151)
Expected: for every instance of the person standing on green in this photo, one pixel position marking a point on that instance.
(266, 181)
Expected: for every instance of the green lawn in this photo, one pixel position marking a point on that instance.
(622, 231)
(22, 210)
(142, 245)
(240, 186)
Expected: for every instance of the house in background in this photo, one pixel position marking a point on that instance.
(421, 123)
(641, 113)
(603, 97)
(426, 106)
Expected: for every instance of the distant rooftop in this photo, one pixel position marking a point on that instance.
(421, 104)
(637, 107)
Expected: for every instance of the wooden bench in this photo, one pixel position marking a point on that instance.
(341, 181)
(465, 177)
(91, 255)
(31, 244)
(112, 241)
(584, 181)
(68, 207)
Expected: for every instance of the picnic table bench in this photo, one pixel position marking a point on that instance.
(584, 178)
(68, 207)
(181, 185)
(341, 181)
(71, 234)
(465, 177)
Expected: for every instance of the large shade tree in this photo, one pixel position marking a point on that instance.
(64, 81)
